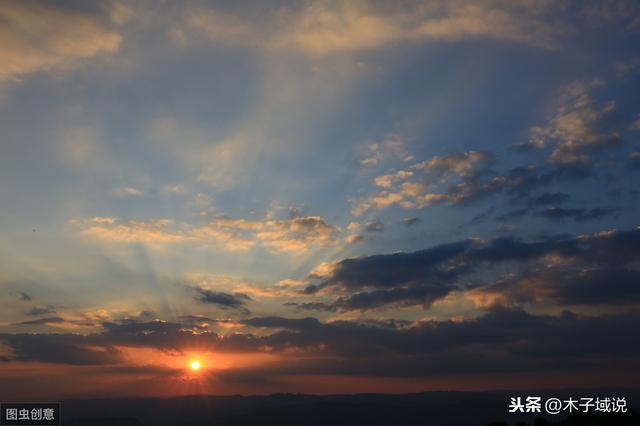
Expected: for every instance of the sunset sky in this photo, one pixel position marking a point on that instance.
(318, 196)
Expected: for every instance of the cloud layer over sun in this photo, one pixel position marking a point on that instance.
(318, 196)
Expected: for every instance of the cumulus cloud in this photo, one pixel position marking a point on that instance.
(425, 276)
(43, 36)
(579, 128)
(462, 164)
(455, 178)
(392, 147)
(564, 285)
(464, 178)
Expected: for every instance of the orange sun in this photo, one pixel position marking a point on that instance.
(195, 365)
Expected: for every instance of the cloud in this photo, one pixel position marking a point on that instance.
(221, 28)
(501, 340)
(59, 348)
(551, 198)
(295, 234)
(376, 226)
(425, 276)
(401, 278)
(558, 214)
(535, 141)
(42, 36)
(43, 321)
(578, 128)
(387, 181)
(392, 147)
(221, 299)
(459, 178)
(355, 239)
(513, 214)
(298, 234)
(578, 215)
(564, 285)
(410, 221)
(41, 310)
(462, 164)
(157, 231)
(128, 191)
(325, 27)
(575, 133)
(23, 296)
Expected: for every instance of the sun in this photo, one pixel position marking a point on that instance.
(195, 365)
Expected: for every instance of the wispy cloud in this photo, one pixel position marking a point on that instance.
(42, 36)
(326, 27)
(292, 235)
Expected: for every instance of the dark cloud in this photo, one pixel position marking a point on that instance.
(526, 146)
(551, 198)
(475, 187)
(422, 277)
(312, 306)
(59, 348)
(280, 322)
(41, 310)
(374, 227)
(395, 269)
(559, 214)
(23, 296)
(513, 214)
(43, 321)
(578, 215)
(518, 183)
(423, 294)
(564, 285)
(221, 299)
(501, 340)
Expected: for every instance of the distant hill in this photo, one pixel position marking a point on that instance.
(428, 408)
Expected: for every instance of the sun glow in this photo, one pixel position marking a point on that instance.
(195, 365)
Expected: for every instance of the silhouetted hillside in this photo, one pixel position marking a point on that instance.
(429, 408)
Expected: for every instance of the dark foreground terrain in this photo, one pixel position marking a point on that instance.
(429, 408)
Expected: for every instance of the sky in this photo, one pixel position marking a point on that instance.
(318, 196)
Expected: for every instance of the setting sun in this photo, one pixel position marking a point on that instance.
(195, 365)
